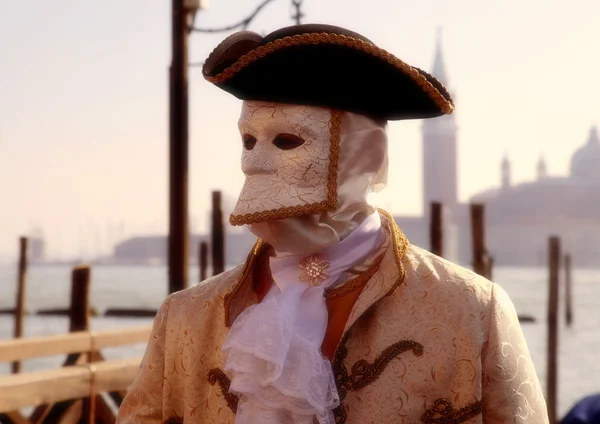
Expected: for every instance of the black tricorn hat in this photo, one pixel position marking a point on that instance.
(324, 65)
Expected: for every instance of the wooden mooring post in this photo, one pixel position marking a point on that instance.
(79, 320)
(436, 229)
(217, 235)
(552, 354)
(19, 311)
(482, 263)
(79, 312)
(202, 260)
(568, 291)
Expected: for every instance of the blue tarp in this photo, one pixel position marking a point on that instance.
(586, 411)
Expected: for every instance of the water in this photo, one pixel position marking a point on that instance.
(579, 358)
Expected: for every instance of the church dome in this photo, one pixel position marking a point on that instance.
(585, 163)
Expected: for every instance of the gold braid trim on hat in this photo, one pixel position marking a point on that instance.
(314, 208)
(341, 40)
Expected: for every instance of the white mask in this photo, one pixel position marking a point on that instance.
(307, 198)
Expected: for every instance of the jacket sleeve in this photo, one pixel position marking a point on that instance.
(511, 389)
(144, 399)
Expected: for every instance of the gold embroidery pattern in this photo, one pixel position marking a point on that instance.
(340, 414)
(218, 376)
(442, 412)
(174, 420)
(314, 270)
(248, 265)
(364, 373)
(314, 208)
(337, 39)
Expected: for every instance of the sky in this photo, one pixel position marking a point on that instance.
(84, 104)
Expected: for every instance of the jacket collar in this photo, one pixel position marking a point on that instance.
(389, 276)
(384, 282)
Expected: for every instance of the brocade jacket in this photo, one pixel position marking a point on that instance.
(426, 342)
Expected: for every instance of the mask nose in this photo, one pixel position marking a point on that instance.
(260, 160)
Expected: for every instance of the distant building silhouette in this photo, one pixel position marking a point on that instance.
(519, 218)
(37, 250)
(506, 174)
(152, 250)
(541, 168)
(440, 161)
(440, 172)
(37, 246)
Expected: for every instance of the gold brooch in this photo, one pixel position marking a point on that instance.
(314, 270)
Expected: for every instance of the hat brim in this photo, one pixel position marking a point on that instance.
(325, 66)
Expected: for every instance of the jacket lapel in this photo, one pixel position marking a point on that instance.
(388, 278)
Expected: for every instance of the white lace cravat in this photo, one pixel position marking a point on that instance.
(274, 348)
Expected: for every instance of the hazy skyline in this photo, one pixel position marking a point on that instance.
(84, 103)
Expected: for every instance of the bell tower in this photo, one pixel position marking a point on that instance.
(440, 176)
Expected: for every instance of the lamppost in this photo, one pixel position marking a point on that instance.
(298, 15)
(243, 24)
(183, 13)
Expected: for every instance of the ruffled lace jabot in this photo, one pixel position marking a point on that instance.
(274, 348)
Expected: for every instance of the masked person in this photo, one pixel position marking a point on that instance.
(334, 317)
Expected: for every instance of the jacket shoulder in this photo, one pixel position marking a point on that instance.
(424, 270)
(205, 295)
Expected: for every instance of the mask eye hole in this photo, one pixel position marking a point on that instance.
(287, 141)
(249, 141)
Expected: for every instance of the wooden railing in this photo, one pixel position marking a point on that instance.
(87, 388)
(73, 392)
(82, 341)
